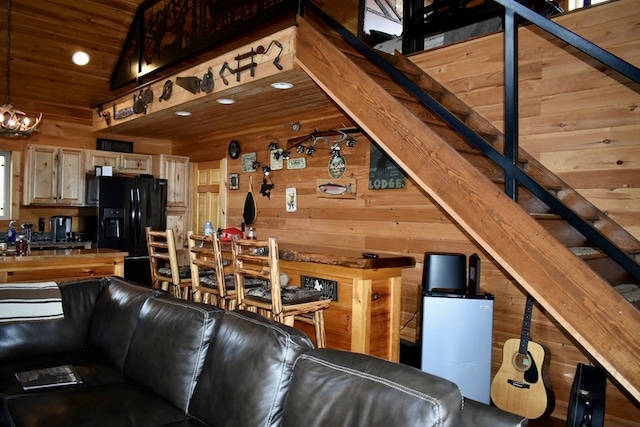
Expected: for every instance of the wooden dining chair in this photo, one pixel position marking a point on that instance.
(166, 273)
(258, 259)
(212, 282)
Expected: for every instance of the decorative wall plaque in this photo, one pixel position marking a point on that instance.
(384, 173)
(114, 145)
(249, 161)
(297, 163)
(328, 287)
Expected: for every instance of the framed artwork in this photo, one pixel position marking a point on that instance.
(291, 199)
(297, 163)
(384, 173)
(249, 161)
(277, 162)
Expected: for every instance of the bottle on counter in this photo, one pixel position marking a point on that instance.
(11, 233)
(252, 234)
(22, 245)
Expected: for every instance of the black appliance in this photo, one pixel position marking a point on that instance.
(445, 272)
(60, 228)
(124, 207)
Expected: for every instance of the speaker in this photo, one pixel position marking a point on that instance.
(473, 287)
(586, 403)
(444, 272)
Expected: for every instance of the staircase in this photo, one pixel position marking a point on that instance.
(538, 247)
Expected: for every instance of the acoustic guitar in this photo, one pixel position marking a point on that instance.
(521, 384)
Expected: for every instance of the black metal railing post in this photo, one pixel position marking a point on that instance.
(511, 116)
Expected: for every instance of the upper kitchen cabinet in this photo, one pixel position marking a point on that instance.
(54, 176)
(122, 163)
(175, 169)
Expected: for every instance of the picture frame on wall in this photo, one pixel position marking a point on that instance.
(249, 162)
(234, 181)
(384, 173)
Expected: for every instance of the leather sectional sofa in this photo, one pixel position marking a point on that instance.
(148, 359)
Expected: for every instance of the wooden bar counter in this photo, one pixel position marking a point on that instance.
(366, 316)
(61, 264)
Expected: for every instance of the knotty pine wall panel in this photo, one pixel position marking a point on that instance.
(576, 116)
(582, 122)
(400, 221)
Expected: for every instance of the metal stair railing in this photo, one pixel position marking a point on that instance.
(508, 161)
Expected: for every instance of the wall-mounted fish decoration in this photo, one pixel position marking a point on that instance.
(341, 189)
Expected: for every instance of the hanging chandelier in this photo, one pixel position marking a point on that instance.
(14, 123)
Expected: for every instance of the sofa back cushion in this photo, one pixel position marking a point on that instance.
(247, 372)
(332, 387)
(115, 318)
(169, 345)
(22, 340)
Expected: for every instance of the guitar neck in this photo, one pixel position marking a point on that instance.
(526, 326)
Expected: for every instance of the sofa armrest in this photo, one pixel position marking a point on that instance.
(478, 414)
(21, 340)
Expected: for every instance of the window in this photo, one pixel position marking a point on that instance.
(575, 4)
(5, 185)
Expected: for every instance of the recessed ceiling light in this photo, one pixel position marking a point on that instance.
(183, 113)
(281, 85)
(80, 58)
(225, 101)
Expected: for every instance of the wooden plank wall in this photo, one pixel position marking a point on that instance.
(401, 221)
(578, 119)
(406, 221)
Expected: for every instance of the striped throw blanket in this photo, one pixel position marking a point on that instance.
(30, 302)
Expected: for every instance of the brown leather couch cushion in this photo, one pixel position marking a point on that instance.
(169, 345)
(247, 372)
(332, 387)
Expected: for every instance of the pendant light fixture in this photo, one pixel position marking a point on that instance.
(14, 123)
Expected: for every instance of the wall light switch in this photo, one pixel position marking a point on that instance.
(291, 200)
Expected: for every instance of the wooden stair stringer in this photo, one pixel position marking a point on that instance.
(585, 305)
(540, 173)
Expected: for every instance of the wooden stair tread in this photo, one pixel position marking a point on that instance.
(630, 292)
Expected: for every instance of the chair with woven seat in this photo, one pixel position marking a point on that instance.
(166, 274)
(217, 285)
(258, 259)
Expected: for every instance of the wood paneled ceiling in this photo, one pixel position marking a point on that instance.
(45, 34)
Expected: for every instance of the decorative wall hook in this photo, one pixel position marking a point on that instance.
(276, 61)
(308, 143)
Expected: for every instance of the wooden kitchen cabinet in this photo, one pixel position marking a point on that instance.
(122, 163)
(54, 176)
(135, 163)
(175, 169)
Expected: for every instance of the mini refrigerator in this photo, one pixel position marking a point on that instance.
(457, 334)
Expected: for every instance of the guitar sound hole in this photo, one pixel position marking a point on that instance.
(521, 362)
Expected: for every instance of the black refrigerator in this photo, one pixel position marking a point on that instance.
(124, 206)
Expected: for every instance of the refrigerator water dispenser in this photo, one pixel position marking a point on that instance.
(113, 222)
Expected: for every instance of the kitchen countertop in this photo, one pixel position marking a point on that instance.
(341, 257)
(338, 257)
(48, 244)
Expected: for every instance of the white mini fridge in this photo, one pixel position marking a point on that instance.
(457, 334)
